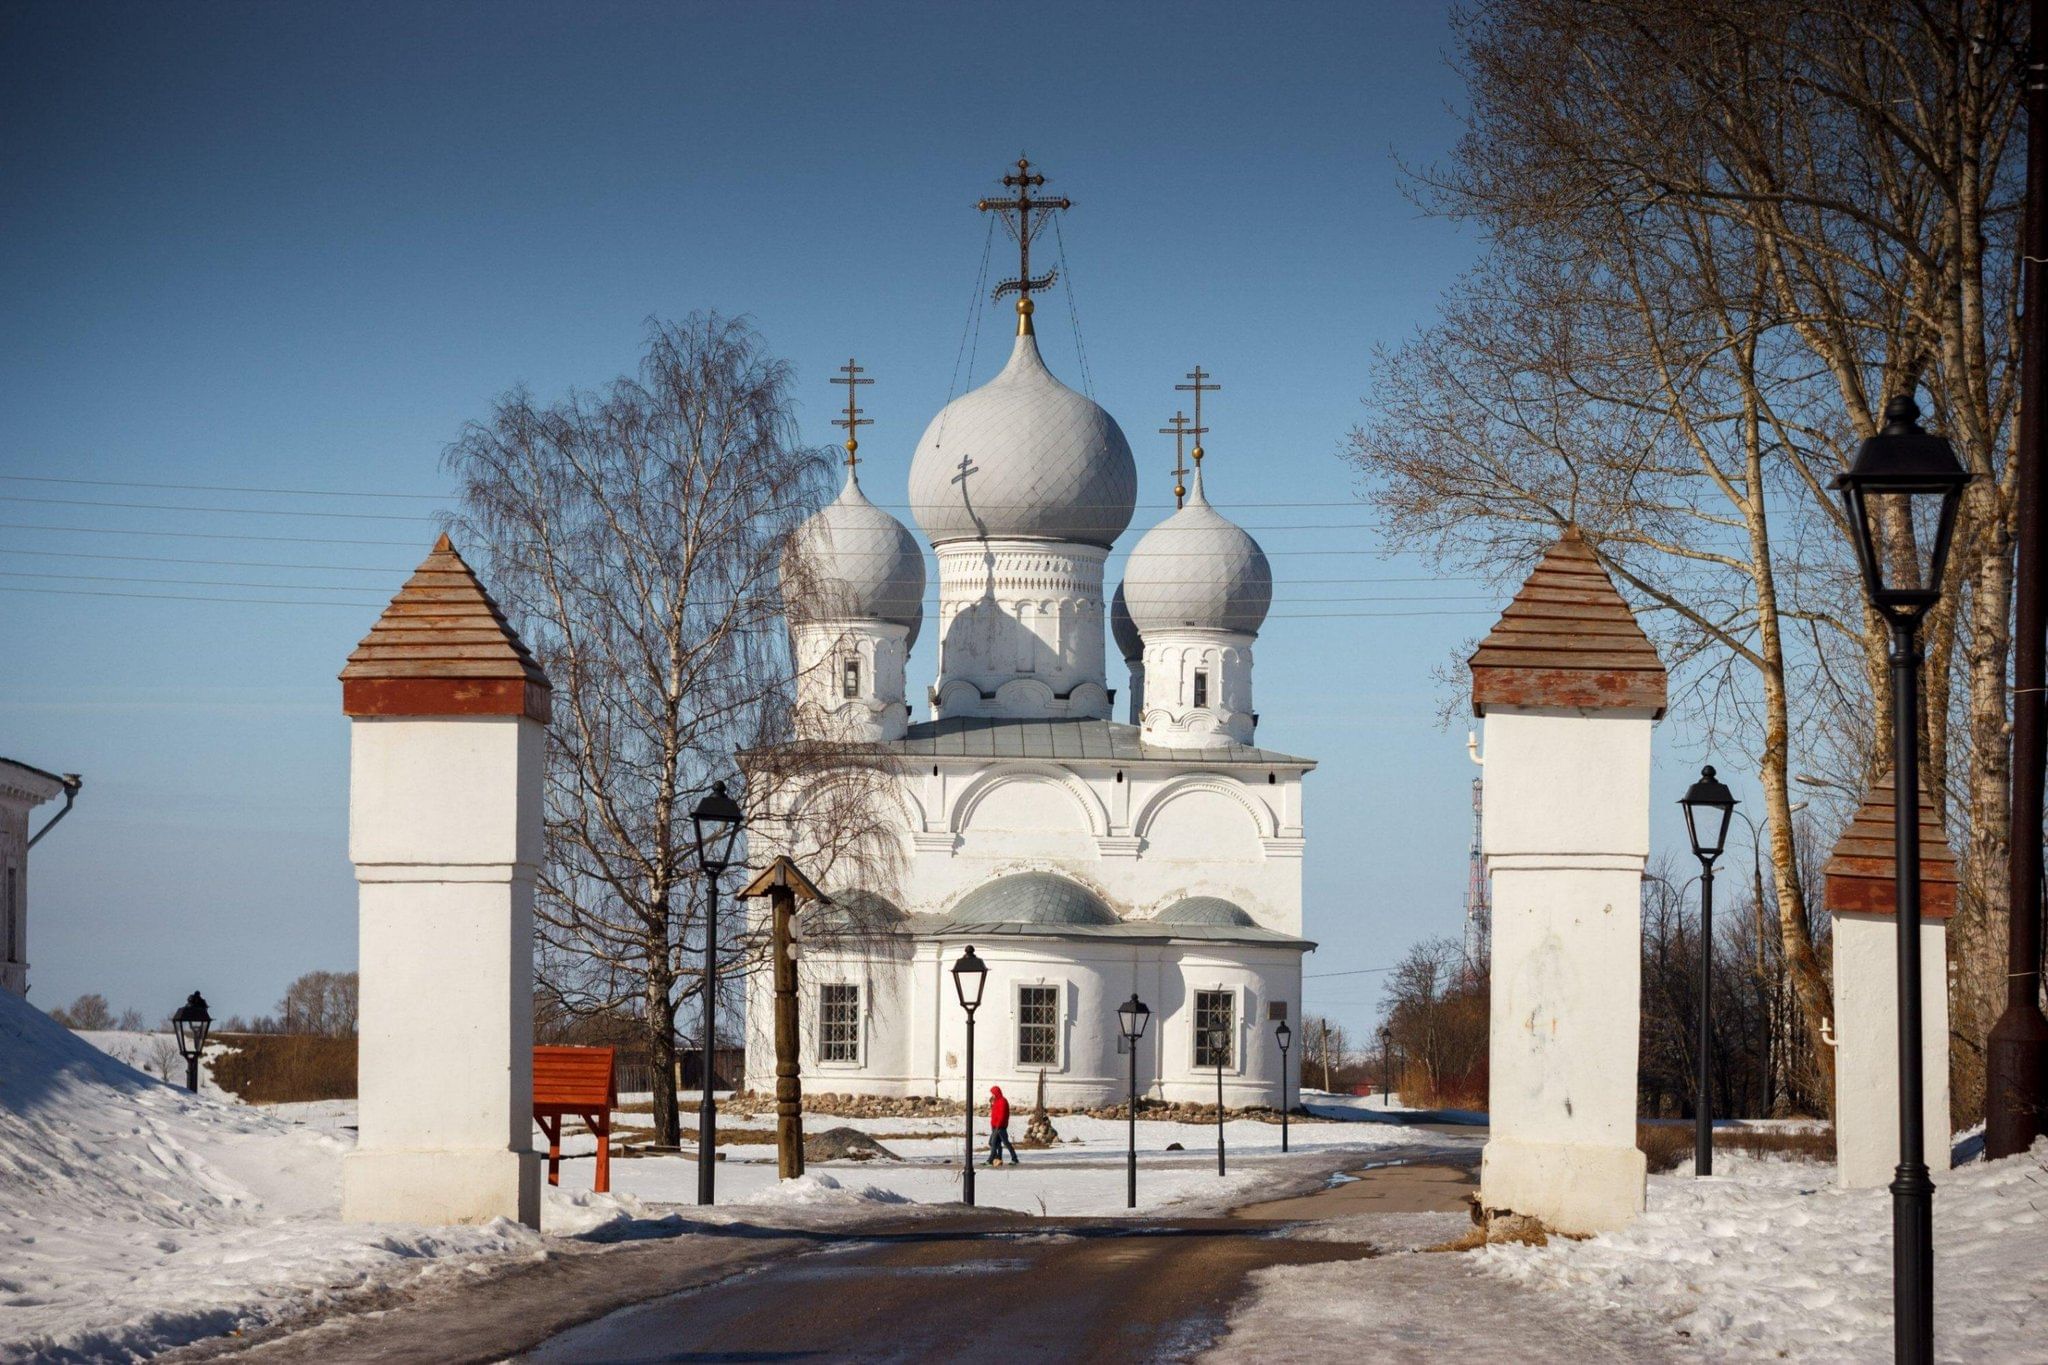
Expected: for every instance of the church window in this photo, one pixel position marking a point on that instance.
(13, 921)
(1215, 1010)
(849, 679)
(839, 1022)
(1201, 687)
(1038, 1026)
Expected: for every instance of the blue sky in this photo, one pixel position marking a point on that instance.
(296, 247)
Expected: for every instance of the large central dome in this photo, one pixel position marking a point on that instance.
(1041, 462)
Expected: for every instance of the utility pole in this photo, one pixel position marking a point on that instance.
(1326, 1054)
(782, 883)
(2016, 1062)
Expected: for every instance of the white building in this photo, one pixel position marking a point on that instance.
(1084, 859)
(22, 789)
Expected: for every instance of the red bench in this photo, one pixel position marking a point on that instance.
(576, 1082)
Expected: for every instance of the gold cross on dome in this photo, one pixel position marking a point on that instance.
(850, 373)
(1178, 430)
(1023, 226)
(1198, 388)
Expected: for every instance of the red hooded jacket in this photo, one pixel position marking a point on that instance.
(998, 1108)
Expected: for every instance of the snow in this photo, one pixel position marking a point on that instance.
(1769, 1257)
(135, 1217)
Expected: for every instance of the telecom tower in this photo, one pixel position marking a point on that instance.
(1478, 912)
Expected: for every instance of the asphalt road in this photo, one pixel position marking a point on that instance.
(1057, 1290)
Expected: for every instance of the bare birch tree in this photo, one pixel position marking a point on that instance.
(635, 536)
(1724, 231)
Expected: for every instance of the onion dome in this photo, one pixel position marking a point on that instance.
(1032, 898)
(1198, 570)
(863, 564)
(1123, 629)
(1210, 910)
(1023, 456)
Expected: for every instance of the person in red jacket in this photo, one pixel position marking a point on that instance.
(999, 1127)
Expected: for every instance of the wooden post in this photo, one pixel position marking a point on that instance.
(782, 883)
(789, 1090)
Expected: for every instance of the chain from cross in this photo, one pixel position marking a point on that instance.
(1024, 228)
(1178, 430)
(850, 376)
(1198, 388)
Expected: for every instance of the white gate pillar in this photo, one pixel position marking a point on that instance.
(448, 713)
(1569, 687)
(1861, 892)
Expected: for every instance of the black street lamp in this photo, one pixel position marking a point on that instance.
(717, 819)
(1902, 493)
(1286, 1036)
(1708, 806)
(1131, 1017)
(1219, 1039)
(191, 1023)
(970, 976)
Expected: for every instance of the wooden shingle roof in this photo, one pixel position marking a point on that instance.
(1859, 876)
(442, 648)
(1569, 640)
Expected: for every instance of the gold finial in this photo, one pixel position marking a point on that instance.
(1022, 228)
(1198, 388)
(1178, 430)
(850, 373)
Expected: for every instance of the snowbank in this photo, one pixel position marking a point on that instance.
(1770, 1258)
(135, 1217)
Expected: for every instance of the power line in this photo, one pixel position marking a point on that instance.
(235, 511)
(1361, 971)
(184, 582)
(223, 488)
(218, 563)
(189, 597)
(197, 535)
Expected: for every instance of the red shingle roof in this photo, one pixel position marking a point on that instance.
(1568, 639)
(1860, 874)
(443, 648)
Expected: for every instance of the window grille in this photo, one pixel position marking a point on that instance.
(1214, 1010)
(1038, 1025)
(838, 1022)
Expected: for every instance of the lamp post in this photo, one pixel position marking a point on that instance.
(191, 1023)
(970, 976)
(1285, 1035)
(1902, 493)
(1131, 1017)
(1708, 805)
(1219, 1039)
(717, 820)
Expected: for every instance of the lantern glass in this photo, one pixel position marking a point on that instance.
(1132, 1016)
(1708, 806)
(1902, 494)
(1285, 1034)
(191, 1023)
(718, 819)
(970, 976)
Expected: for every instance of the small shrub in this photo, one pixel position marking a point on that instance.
(284, 1068)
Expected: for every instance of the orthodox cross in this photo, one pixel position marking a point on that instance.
(966, 467)
(1023, 227)
(1198, 388)
(1178, 430)
(853, 419)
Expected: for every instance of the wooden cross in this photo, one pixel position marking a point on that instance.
(1198, 388)
(853, 419)
(1023, 229)
(1178, 430)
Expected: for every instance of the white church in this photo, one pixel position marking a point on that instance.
(1085, 859)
